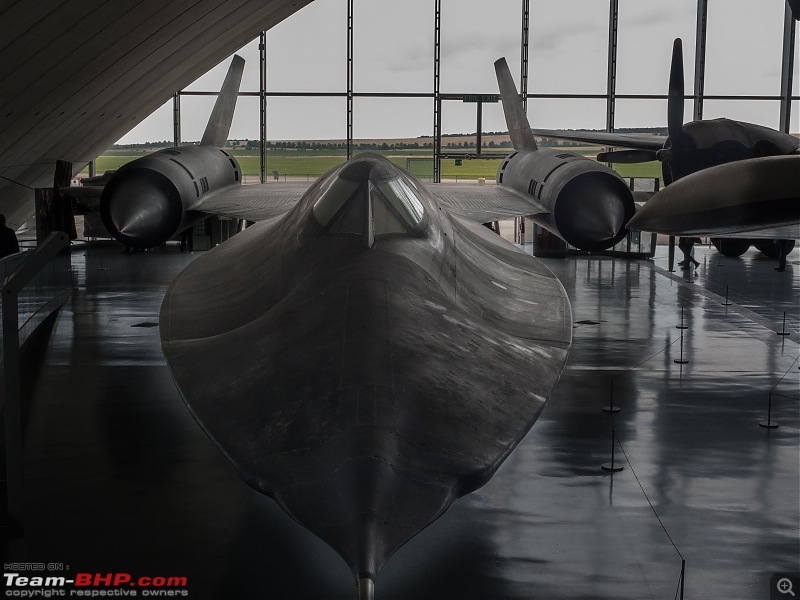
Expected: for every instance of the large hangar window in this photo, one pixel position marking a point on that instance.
(568, 80)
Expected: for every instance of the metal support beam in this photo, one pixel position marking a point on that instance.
(611, 84)
(437, 100)
(700, 58)
(349, 78)
(262, 97)
(787, 68)
(479, 128)
(526, 12)
(176, 118)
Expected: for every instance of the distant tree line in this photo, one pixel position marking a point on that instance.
(301, 145)
(339, 145)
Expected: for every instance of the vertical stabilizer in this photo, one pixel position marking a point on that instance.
(518, 127)
(219, 125)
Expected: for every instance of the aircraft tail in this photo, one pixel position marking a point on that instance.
(219, 125)
(518, 127)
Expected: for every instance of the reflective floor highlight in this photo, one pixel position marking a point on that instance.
(119, 478)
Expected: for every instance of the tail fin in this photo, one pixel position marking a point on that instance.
(219, 125)
(518, 127)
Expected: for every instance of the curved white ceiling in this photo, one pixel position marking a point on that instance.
(76, 75)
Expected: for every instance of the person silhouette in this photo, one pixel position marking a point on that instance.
(783, 250)
(686, 244)
(8, 239)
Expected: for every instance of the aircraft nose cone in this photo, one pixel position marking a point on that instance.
(137, 209)
(140, 211)
(641, 221)
(592, 210)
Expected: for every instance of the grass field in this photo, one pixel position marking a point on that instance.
(316, 162)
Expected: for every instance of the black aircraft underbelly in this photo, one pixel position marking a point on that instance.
(365, 388)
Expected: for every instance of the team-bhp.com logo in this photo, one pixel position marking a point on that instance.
(93, 585)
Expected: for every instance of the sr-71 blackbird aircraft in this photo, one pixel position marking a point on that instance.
(367, 352)
(724, 178)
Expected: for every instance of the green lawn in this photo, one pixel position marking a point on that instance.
(316, 162)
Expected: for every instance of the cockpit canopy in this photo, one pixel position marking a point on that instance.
(370, 197)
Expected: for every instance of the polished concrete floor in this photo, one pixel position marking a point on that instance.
(120, 478)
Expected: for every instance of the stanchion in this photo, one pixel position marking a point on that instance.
(681, 326)
(671, 254)
(784, 332)
(726, 303)
(769, 423)
(611, 408)
(612, 467)
(683, 575)
(681, 360)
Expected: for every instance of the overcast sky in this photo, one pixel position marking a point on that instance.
(393, 44)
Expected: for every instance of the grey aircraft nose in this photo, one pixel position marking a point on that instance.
(140, 211)
(592, 211)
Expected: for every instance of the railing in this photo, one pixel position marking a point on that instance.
(36, 285)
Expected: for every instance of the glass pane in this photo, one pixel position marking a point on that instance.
(383, 220)
(353, 220)
(212, 80)
(761, 112)
(645, 34)
(744, 47)
(333, 198)
(195, 112)
(385, 120)
(637, 113)
(568, 47)
(321, 126)
(393, 46)
(569, 113)
(155, 128)
(308, 51)
(462, 118)
(473, 36)
(404, 200)
(306, 118)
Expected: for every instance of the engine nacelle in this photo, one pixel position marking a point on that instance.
(152, 198)
(587, 203)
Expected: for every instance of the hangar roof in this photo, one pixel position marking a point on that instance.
(75, 76)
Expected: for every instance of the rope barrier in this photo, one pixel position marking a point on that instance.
(641, 487)
(785, 374)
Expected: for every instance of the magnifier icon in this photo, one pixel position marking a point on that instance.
(785, 586)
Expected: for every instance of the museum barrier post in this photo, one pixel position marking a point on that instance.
(783, 330)
(769, 423)
(611, 408)
(612, 467)
(681, 326)
(726, 303)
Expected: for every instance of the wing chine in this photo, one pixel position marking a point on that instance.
(253, 202)
(624, 140)
(485, 203)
